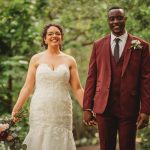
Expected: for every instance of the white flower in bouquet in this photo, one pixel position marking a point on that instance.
(3, 127)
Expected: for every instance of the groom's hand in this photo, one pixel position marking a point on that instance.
(142, 121)
(89, 118)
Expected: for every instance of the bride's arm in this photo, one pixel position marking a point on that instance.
(75, 82)
(27, 87)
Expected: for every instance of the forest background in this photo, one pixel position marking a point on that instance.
(83, 21)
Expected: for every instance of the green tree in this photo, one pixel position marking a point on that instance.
(21, 23)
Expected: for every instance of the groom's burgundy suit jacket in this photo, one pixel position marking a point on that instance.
(135, 78)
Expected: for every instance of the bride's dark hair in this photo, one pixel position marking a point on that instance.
(43, 44)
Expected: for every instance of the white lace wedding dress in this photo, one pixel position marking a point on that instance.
(51, 111)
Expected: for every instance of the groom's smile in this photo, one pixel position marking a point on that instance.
(116, 20)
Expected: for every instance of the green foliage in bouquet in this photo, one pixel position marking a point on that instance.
(9, 136)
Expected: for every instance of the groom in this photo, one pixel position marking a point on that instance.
(118, 85)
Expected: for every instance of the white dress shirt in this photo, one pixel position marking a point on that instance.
(122, 42)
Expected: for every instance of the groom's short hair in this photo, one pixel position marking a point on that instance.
(115, 7)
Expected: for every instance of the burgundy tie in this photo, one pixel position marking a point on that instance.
(116, 49)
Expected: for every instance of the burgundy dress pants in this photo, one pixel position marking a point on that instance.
(110, 125)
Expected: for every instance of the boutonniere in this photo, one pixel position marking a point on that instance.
(136, 44)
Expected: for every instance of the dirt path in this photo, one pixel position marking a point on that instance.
(89, 148)
(96, 147)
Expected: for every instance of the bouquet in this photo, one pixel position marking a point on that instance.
(8, 133)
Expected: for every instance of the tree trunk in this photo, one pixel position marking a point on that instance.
(9, 95)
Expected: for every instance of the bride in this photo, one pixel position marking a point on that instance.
(50, 74)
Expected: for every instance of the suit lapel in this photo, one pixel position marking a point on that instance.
(127, 53)
(106, 55)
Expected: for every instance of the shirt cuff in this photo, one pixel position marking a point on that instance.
(88, 110)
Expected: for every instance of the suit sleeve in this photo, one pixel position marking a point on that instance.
(90, 85)
(145, 81)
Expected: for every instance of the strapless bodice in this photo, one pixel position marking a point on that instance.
(51, 110)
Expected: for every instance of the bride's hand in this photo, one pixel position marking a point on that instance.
(14, 118)
(89, 118)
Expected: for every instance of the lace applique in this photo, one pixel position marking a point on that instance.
(51, 110)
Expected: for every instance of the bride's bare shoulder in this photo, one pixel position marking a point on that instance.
(36, 57)
(70, 59)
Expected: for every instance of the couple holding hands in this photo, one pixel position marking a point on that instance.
(116, 91)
